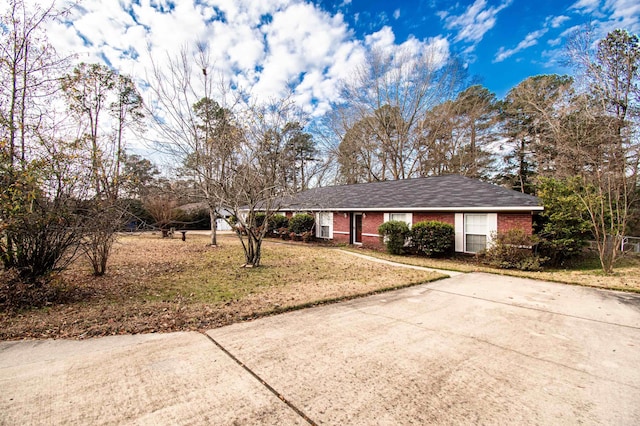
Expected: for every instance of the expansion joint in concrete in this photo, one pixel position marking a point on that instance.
(262, 382)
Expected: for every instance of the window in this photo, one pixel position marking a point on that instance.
(475, 232)
(401, 217)
(325, 225)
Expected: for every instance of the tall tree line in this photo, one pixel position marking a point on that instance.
(581, 130)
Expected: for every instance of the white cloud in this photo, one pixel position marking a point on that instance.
(557, 21)
(554, 41)
(625, 13)
(265, 47)
(269, 48)
(530, 40)
(586, 6)
(383, 39)
(571, 30)
(474, 23)
(607, 15)
(301, 41)
(610, 14)
(396, 14)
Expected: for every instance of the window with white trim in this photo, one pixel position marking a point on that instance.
(400, 217)
(325, 225)
(475, 232)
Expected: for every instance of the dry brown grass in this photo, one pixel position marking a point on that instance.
(156, 284)
(587, 273)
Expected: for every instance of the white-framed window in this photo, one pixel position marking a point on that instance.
(401, 217)
(324, 225)
(475, 232)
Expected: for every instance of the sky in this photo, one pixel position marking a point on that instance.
(271, 46)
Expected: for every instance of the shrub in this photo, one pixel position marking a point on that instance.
(564, 226)
(278, 222)
(432, 238)
(301, 223)
(259, 219)
(284, 233)
(18, 293)
(394, 234)
(514, 250)
(307, 236)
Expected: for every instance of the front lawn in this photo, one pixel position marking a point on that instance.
(156, 284)
(588, 272)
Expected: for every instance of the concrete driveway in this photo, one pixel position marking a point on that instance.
(476, 348)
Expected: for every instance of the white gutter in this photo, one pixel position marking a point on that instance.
(421, 209)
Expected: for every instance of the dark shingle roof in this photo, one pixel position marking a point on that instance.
(430, 193)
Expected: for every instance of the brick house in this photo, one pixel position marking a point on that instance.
(352, 213)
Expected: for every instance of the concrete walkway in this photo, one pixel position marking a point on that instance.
(402, 265)
(475, 348)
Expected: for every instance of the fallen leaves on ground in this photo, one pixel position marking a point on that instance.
(163, 285)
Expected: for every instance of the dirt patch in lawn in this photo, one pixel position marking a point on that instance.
(161, 285)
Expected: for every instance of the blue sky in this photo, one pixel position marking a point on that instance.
(268, 47)
(501, 41)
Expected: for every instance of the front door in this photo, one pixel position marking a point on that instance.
(357, 228)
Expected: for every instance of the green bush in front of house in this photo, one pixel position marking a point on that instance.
(259, 219)
(301, 223)
(277, 222)
(564, 226)
(394, 234)
(514, 249)
(432, 238)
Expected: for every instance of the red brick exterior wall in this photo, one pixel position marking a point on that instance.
(372, 220)
(370, 225)
(449, 218)
(508, 221)
(341, 224)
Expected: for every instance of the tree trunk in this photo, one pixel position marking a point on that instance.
(252, 248)
(213, 216)
(608, 250)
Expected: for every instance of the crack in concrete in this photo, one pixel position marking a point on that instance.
(262, 382)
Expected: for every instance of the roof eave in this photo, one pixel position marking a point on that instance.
(419, 209)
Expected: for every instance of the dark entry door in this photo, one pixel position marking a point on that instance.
(357, 228)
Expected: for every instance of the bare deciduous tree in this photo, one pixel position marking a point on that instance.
(39, 174)
(30, 68)
(190, 125)
(242, 157)
(607, 117)
(454, 136)
(104, 103)
(257, 179)
(531, 114)
(162, 206)
(384, 107)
